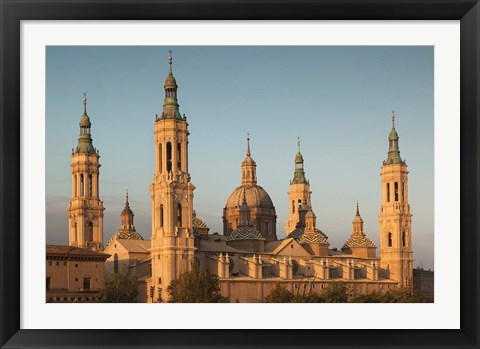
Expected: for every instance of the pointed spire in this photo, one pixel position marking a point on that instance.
(84, 103)
(170, 105)
(126, 199)
(358, 211)
(248, 144)
(299, 174)
(393, 149)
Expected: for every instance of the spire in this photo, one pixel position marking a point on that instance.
(84, 103)
(249, 167)
(393, 149)
(170, 104)
(357, 223)
(85, 140)
(127, 215)
(299, 174)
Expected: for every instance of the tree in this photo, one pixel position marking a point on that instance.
(338, 292)
(119, 287)
(279, 294)
(196, 286)
(399, 295)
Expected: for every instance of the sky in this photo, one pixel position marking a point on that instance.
(337, 99)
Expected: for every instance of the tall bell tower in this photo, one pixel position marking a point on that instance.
(396, 253)
(299, 194)
(172, 244)
(85, 210)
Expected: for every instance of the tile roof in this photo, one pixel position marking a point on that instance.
(67, 251)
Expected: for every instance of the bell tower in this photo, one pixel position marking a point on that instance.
(396, 253)
(85, 210)
(172, 244)
(299, 194)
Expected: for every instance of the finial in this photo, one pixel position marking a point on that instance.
(358, 212)
(170, 60)
(84, 103)
(298, 144)
(248, 144)
(126, 200)
(393, 118)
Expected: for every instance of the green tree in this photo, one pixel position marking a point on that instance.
(399, 295)
(279, 294)
(338, 292)
(196, 286)
(119, 287)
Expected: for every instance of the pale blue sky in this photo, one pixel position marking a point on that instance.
(337, 99)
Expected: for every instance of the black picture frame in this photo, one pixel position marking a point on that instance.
(14, 11)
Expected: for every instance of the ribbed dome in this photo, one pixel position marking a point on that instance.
(85, 121)
(393, 135)
(256, 197)
(170, 82)
(127, 211)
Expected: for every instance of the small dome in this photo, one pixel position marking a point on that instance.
(248, 161)
(256, 197)
(357, 219)
(85, 121)
(127, 211)
(355, 241)
(299, 157)
(393, 135)
(170, 82)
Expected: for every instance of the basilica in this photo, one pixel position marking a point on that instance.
(248, 257)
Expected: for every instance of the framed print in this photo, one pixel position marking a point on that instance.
(249, 71)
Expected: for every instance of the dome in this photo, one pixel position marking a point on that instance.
(170, 81)
(299, 157)
(248, 161)
(127, 211)
(357, 219)
(256, 197)
(85, 121)
(393, 135)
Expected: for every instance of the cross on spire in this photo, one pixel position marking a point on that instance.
(170, 58)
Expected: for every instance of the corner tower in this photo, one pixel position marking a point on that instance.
(299, 194)
(172, 244)
(396, 253)
(85, 210)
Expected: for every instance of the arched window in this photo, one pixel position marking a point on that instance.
(179, 156)
(389, 239)
(161, 216)
(299, 204)
(90, 231)
(293, 206)
(403, 239)
(403, 191)
(115, 263)
(388, 192)
(160, 158)
(75, 232)
(169, 157)
(81, 185)
(396, 191)
(179, 215)
(90, 185)
(75, 189)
